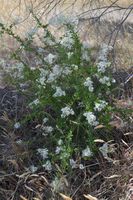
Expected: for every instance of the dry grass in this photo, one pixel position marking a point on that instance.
(94, 34)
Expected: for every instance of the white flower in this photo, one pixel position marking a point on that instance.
(50, 58)
(59, 92)
(35, 102)
(43, 75)
(23, 86)
(113, 80)
(18, 67)
(103, 54)
(17, 125)
(104, 150)
(33, 68)
(85, 55)
(58, 150)
(56, 72)
(45, 120)
(100, 105)
(75, 67)
(67, 41)
(19, 141)
(105, 80)
(81, 166)
(33, 169)
(88, 83)
(69, 54)
(103, 58)
(52, 77)
(57, 184)
(60, 142)
(47, 129)
(66, 111)
(86, 152)
(102, 65)
(64, 155)
(91, 118)
(67, 71)
(48, 165)
(42, 81)
(43, 153)
(43, 72)
(40, 50)
(73, 163)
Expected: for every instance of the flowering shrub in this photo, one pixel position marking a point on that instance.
(68, 93)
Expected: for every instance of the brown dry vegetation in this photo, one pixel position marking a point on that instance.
(95, 33)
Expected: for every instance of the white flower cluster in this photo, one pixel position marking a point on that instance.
(66, 71)
(86, 152)
(73, 164)
(43, 153)
(17, 125)
(105, 80)
(59, 148)
(47, 129)
(50, 58)
(76, 165)
(85, 56)
(91, 118)
(45, 120)
(33, 169)
(35, 102)
(69, 54)
(56, 72)
(104, 51)
(60, 142)
(103, 58)
(81, 166)
(50, 76)
(18, 70)
(88, 83)
(102, 66)
(42, 78)
(47, 38)
(66, 111)
(75, 67)
(48, 165)
(59, 92)
(100, 105)
(67, 41)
